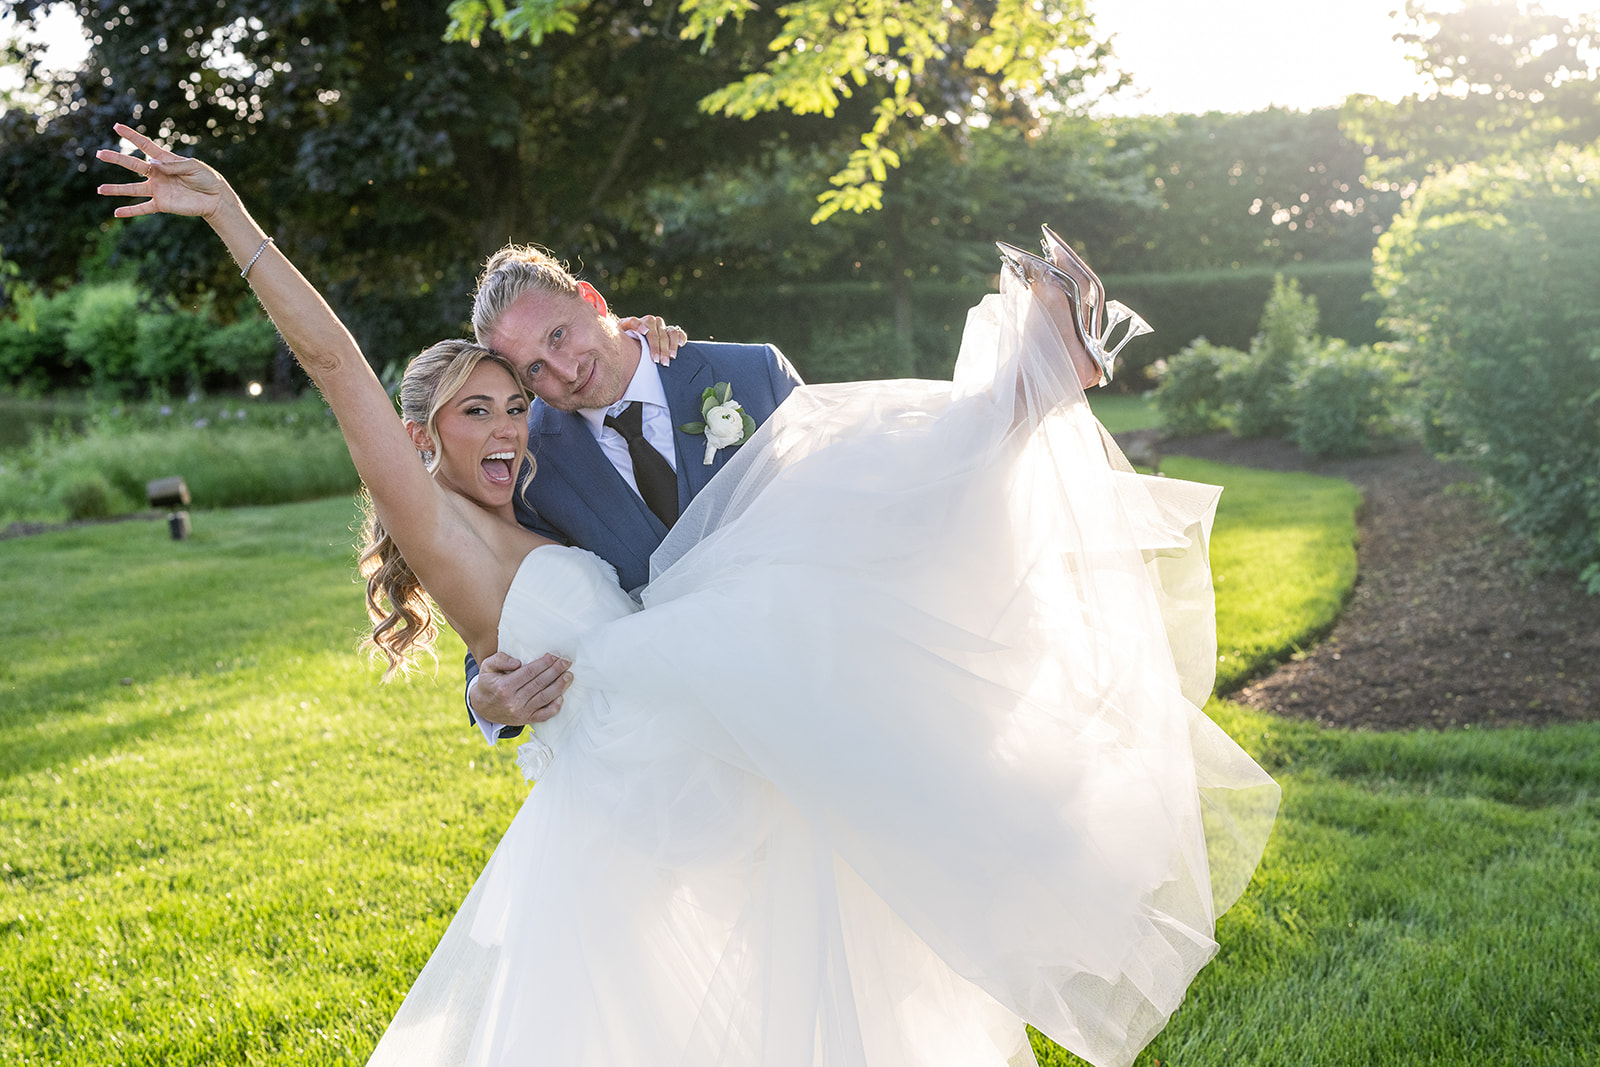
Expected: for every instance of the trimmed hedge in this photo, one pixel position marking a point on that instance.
(841, 331)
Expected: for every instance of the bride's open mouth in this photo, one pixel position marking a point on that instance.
(497, 467)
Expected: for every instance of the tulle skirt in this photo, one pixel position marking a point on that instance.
(903, 752)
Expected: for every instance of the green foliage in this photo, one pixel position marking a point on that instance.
(1190, 397)
(1489, 278)
(171, 350)
(920, 57)
(1260, 390)
(16, 295)
(863, 353)
(1331, 398)
(226, 462)
(1348, 401)
(1508, 80)
(244, 350)
(90, 496)
(104, 336)
(83, 336)
(34, 356)
(1270, 188)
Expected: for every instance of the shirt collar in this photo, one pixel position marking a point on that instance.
(645, 387)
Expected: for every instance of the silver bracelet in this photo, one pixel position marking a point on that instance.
(246, 272)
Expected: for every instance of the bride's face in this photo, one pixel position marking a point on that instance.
(482, 437)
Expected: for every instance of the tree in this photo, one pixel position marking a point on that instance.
(922, 64)
(1507, 80)
(386, 159)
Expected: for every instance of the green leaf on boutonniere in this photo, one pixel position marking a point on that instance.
(749, 426)
(693, 427)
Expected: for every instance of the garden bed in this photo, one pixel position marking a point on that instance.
(1446, 625)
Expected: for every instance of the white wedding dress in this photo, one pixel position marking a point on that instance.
(902, 752)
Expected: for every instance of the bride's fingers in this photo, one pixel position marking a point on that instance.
(128, 211)
(145, 144)
(127, 162)
(131, 189)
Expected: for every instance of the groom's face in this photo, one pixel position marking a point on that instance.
(570, 354)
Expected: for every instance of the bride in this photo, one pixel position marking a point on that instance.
(902, 752)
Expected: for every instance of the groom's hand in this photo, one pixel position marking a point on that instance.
(513, 693)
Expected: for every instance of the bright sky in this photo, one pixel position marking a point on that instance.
(1244, 55)
(1188, 55)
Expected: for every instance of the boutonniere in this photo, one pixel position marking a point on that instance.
(726, 423)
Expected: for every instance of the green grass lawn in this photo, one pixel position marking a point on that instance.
(1119, 412)
(221, 841)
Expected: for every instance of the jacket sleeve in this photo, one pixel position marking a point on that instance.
(492, 731)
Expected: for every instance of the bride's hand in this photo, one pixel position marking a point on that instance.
(176, 185)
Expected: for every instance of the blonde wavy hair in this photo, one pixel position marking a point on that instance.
(405, 621)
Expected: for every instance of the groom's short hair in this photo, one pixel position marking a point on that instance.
(509, 273)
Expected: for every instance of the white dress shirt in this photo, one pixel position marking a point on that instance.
(647, 389)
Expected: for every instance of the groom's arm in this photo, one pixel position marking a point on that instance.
(506, 694)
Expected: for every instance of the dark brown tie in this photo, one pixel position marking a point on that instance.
(651, 471)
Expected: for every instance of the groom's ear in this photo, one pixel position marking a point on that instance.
(592, 297)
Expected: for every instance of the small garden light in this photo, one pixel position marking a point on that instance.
(172, 494)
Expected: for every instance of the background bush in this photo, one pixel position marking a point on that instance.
(1330, 397)
(1190, 399)
(819, 325)
(228, 456)
(114, 339)
(1490, 277)
(1348, 401)
(170, 351)
(104, 336)
(1259, 389)
(242, 351)
(34, 357)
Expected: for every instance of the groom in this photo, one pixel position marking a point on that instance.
(613, 465)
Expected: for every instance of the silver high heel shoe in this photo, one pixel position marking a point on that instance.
(1095, 319)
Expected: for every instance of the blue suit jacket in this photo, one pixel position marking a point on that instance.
(577, 497)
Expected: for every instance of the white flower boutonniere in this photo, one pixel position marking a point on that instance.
(726, 423)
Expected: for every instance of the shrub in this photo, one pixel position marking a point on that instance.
(1189, 398)
(243, 351)
(104, 335)
(1488, 276)
(1346, 400)
(171, 349)
(1259, 390)
(90, 496)
(35, 357)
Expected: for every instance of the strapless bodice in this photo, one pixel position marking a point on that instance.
(558, 595)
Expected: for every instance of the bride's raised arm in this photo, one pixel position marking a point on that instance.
(444, 546)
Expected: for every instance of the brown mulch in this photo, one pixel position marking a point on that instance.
(1446, 625)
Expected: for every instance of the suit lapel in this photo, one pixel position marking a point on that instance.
(684, 380)
(562, 445)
